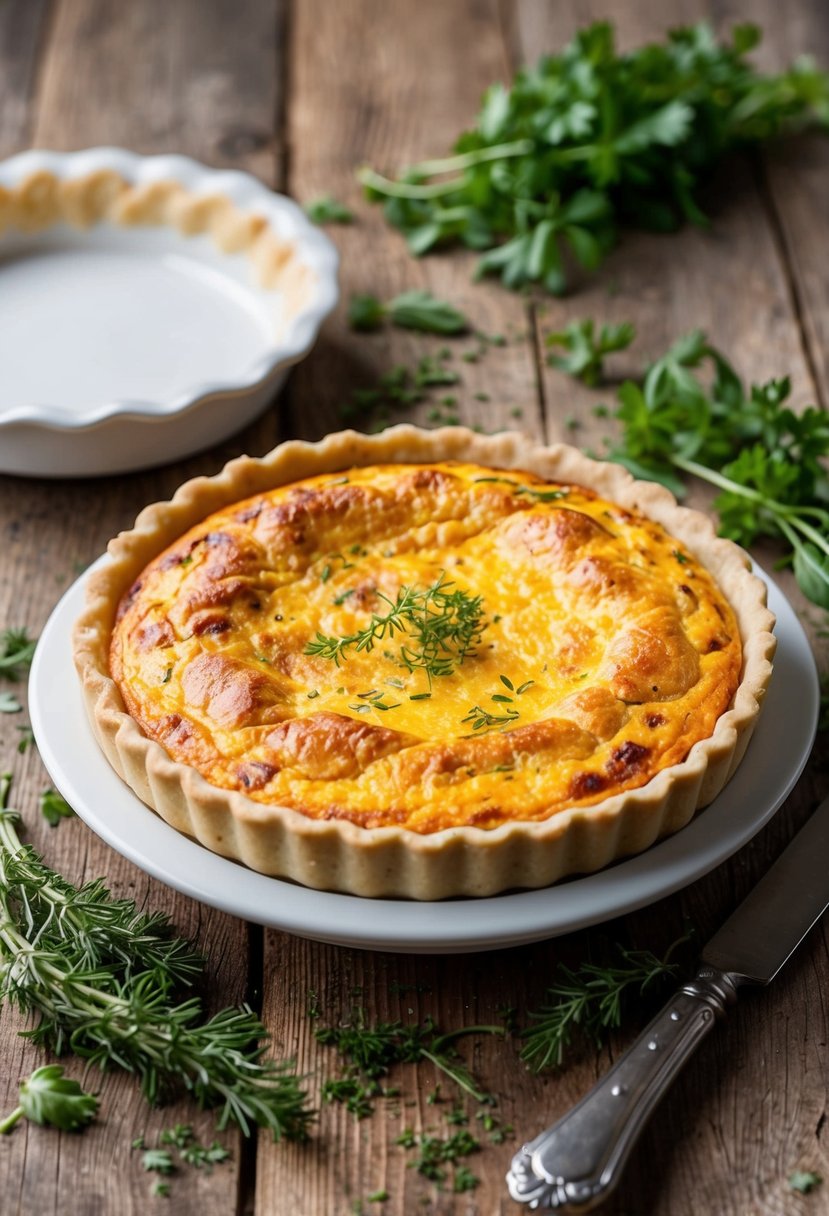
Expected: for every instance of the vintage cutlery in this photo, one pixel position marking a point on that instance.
(575, 1164)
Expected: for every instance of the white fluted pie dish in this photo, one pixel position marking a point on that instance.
(149, 307)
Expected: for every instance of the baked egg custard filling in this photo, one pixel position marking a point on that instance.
(426, 646)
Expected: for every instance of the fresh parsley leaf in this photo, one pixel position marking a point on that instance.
(586, 350)
(54, 807)
(328, 210)
(691, 414)
(591, 141)
(16, 652)
(420, 310)
(49, 1098)
(411, 310)
(804, 1181)
(158, 1160)
(365, 313)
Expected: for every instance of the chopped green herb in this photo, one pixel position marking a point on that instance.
(482, 719)
(377, 1197)
(180, 1135)
(158, 1160)
(54, 807)
(167, 674)
(313, 694)
(586, 350)
(16, 653)
(328, 210)
(804, 1181)
(411, 310)
(9, 704)
(26, 740)
(161, 1189)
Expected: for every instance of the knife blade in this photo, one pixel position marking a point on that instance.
(771, 922)
(575, 1164)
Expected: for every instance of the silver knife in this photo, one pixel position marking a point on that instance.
(574, 1165)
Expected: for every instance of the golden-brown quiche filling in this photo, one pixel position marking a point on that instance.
(426, 646)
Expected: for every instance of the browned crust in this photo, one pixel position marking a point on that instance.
(340, 855)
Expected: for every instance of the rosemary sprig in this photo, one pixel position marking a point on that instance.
(443, 625)
(591, 1000)
(101, 979)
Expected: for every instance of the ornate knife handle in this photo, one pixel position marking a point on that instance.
(576, 1163)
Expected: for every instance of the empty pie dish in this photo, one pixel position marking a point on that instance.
(149, 307)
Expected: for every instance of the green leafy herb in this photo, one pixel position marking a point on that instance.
(591, 1000)
(411, 310)
(9, 704)
(158, 1160)
(586, 351)
(590, 141)
(205, 1156)
(49, 1097)
(101, 978)
(328, 210)
(161, 1189)
(399, 389)
(377, 1197)
(54, 807)
(180, 1135)
(804, 1181)
(16, 652)
(26, 740)
(434, 1153)
(371, 1050)
(442, 626)
(767, 462)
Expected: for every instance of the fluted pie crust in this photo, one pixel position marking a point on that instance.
(640, 643)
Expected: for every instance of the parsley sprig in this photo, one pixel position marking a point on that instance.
(16, 653)
(49, 1097)
(767, 462)
(587, 347)
(101, 978)
(590, 141)
(411, 310)
(442, 626)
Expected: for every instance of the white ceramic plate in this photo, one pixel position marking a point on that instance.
(774, 761)
(128, 344)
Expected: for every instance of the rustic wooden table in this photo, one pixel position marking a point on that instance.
(300, 94)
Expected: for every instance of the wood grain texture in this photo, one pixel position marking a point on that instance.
(154, 77)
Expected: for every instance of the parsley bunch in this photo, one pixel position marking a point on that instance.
(589, 141)
(767, 462)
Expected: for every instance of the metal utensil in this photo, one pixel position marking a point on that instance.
(575, 1164)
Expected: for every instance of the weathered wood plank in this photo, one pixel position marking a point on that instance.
(794, 174)
(23, 26)
(154, 77)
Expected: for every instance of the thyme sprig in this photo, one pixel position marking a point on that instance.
(101, 977)
(442, 625)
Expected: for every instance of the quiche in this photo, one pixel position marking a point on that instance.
(424, 664)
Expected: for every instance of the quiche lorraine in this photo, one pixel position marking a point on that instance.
(424, 664)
